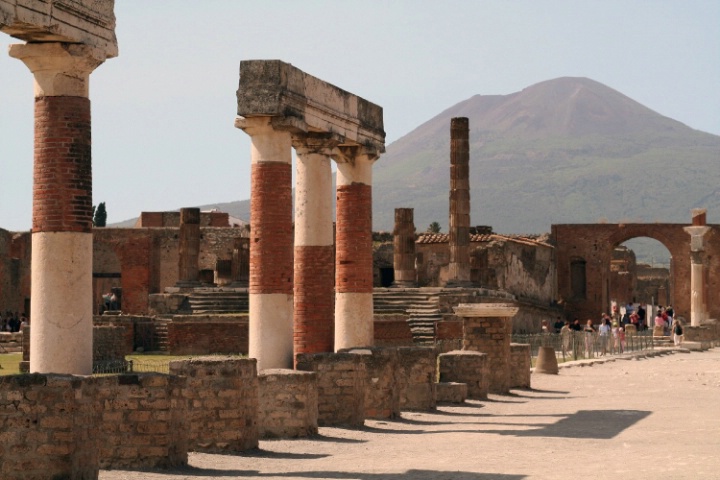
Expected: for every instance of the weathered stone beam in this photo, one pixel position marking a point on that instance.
(90, 22)
(302, 103)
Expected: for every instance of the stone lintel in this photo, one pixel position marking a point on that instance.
(303, 103)
(90, 22)
(486, 310)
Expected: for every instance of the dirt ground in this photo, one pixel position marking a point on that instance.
(654, 418)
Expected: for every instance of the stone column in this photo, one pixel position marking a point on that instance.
(698, 300)
(271, 244)
(353, 250)
(62, 246)
(188, 264)
(487, 328)
(314, 312)
(404, 248)
(459, 266)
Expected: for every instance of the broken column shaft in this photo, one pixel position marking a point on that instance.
(404, 248)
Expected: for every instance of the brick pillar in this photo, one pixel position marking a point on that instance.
(698, 288)
(404, 248)
(61, 276)
(189, 254)
(353, 250)
(314, 311)
(487, 328)
(459, 266)
(271, 245)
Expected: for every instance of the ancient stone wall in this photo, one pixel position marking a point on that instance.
(471, 368)
(222, 396)
(341, 387)
(143, 421)
(288, 406)
(491, 335)
(392, 331)
(586, 250)
(49, 427)
(417, 372)
(206, 334)
(172, 219)
(382, 397)
(109, 343)
(520, 364)
(126, 337)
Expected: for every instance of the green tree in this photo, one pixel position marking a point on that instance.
(100, 215)
(434, 227)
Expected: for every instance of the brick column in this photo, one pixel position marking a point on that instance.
(189, 251)
(404, 248)
(314, 252)
(271, 244)
(353, 250)
(61, 276)
(698, 298)
(459, 266)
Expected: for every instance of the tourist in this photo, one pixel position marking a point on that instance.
(641, 314)
(589, 331)
(558, 326)
(575, 327)
(604, 334)
(616, 339)
(621, 338)
(677, 332)
(566, 332)
(659, 320)
(113, 302)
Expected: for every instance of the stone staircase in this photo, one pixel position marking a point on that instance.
(421, 307)
(215, 302)
(160, 336)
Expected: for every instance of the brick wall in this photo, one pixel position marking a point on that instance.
(417, 372)
(206, 334)
(519, 365)
(288, 406)
(222, 397)
(341, 387)
(392, 331)
(49, 427)
(491, 335)
(466, 367)
(143, 421)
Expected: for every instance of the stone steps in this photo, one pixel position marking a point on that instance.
(217, 302)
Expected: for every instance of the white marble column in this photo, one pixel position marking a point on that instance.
(61, 339)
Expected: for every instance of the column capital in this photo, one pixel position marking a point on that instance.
(60, 69)
(314, 143)
(352, 153)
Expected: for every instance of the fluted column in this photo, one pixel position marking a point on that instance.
(353, 249)
(459, 266)
(314, 312)
(698, 301)
(404, 249)
(61, 275)
(271, 244)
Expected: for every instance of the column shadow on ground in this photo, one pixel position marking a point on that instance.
(408, 475)
(596, 424)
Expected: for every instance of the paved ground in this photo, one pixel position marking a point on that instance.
(656, 418)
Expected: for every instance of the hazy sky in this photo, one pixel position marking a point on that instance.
(163, 111)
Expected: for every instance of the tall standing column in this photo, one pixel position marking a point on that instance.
(271, 244)
(459, 267)
(353, 252)
(698, 301)
(404, 248)
(189, 257)
(62, 249)
(314, 252)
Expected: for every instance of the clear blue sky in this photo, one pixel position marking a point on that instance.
(163, 111)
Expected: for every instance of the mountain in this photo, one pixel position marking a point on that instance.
(568, 150)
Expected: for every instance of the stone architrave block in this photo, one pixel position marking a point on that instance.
(303, 103)
(48, 427)
(288, 405)
(90, 22)
(417, 368)
(382, 396)
(466, 367)
(520, 364)
(144, 421)
(341, 387)
(222, 396)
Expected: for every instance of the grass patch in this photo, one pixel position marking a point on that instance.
(10, 363)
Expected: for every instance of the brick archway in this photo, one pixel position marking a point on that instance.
(594, 244)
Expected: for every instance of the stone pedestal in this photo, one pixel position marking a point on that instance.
(382, 395)
(546, 361)
(520, 364)
(487, 328)
(470, 368)
(404, 248)
(417, 376)
(288, 405)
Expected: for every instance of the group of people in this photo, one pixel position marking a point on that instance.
(12, 321)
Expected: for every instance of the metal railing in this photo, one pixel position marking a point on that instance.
(586, 345)
(131, 366)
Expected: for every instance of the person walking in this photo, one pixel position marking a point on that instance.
(677, 331)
